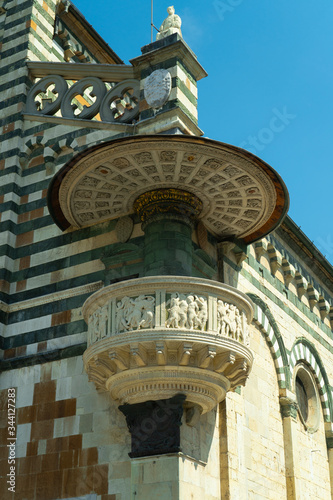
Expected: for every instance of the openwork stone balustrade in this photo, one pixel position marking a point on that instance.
(151, 338)
(53, 93)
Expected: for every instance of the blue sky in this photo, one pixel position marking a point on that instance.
(269, 87)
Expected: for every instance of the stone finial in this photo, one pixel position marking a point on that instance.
(170, 25)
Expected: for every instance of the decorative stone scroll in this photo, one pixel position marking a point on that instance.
(120, 104)
(151, 338)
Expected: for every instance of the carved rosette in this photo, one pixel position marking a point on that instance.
(152, 338)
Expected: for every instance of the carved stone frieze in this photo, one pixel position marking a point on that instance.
(231, 322)
(150, 338)
(133, 314)
(186, 311)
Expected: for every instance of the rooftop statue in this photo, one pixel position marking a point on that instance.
(170, 25)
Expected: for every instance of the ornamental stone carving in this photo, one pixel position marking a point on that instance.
(89, 111)
(157, 88)
(120, 104)
(167, 200)
(186, 311)
(133, 314)
(124, 228)
(151, 338)
(231, 323)
(53, 88)
(98, 326)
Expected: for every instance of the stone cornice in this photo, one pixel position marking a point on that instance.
(297, 238)
(124, 128)
(88, 35)
(170, 47)
(76, 71)
(52, 297)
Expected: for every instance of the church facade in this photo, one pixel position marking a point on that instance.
(165, 328)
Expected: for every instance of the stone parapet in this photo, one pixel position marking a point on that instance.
(151, 338)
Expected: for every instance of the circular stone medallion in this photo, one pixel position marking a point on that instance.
(157, 88)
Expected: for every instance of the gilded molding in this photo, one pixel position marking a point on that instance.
(170, 200)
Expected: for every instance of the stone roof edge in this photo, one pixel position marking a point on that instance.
(93, 33)
(300, 239)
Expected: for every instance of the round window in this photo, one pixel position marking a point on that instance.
(307, 398)
(302, 399)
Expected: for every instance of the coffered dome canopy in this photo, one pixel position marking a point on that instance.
(241, 195)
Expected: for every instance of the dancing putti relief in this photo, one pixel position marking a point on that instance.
(133, 314)
(230, 322)
(186, 311)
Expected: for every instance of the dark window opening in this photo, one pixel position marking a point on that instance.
(302, 399)
(124, 278)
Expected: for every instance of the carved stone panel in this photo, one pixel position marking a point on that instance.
(133, 314)
(180, 311)
(186, 311)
